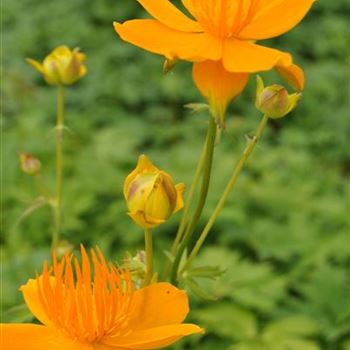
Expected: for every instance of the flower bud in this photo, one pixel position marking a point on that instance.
(29, 164)
(169, 64)
(62, 66)
(151, 195)
(64, 248)
(136, 265)
(274, 100)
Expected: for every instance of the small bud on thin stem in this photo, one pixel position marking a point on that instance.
(169, 64)
(274, 100)
(29, 164)
(231, 184)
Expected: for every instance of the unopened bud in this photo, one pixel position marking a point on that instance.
(151, 195)
(274, 100)
(169, 64)
(136, 265)
(29, 164)
(63, 248)
(62, 66)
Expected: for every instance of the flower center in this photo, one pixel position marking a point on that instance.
(86, 308)
(224, 18)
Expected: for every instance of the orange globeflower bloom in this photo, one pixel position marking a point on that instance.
(81, 311)
(221, 38)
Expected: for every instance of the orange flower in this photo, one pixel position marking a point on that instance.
(81, 312)
(221, 38)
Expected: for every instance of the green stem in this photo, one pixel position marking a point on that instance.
(59, 166)
(231, 184)
(149, 256)
(184, 219)
(207, 166)
(186, 210)
(41, 185)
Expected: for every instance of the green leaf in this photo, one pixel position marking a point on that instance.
(169, 256)
(36, 204)
(198, 291)
(298, 325)
(249, 345)
(211, 272)
(292, 344)
(17, 314)
(325, 298)
(250, 284)
(346, 345)
(227, 320)
(285, 334)
(197, 107)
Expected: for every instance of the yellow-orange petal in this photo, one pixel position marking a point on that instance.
(218, 85)
(81, 56)
(30, 336)
(145, 221)
(62, 50)
(180, 188)
(83, 71)
(243, 56)
(153, 338)
(157, 305)
(169, 188)
(155, 37)
(36, 65)
(32, 298)
(273, 18)
(100, 346)
(144, 165)
(51, 67)
(165, 12)
(189, 6)
(293, 74)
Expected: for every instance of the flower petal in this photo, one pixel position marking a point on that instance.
(293, 74)
(159, 304)
(100, 346)
(31, 336)
(153, 36)
(36, 65)
(155, 320)
(243, 56)
(62, 50)
(218, 85)
(144, 165)
(166, 13)
(275, 17)
(153, 338)
(32, 298)
(145, 222)
(189, 6)
(180, 188)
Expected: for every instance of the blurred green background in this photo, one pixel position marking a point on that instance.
(283, 237)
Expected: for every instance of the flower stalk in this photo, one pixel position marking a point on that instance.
(57, 206)
(149, 256)
(230, 186)
(185, 216)
(207, 167)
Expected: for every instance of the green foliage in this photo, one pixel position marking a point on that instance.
(282, 242)
(247, 283)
